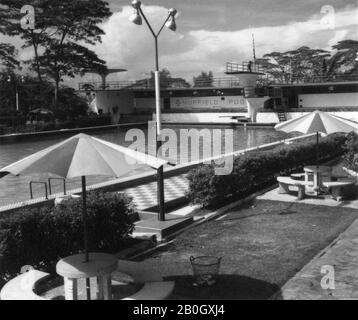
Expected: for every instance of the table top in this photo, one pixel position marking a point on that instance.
(317, 168)
(74, 267)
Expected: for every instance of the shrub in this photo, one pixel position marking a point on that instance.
(351, 155)
(254, 171)
(40, 237)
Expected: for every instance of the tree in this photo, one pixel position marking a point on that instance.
(298, 63)
(344, 59)
(60, 27)
(68, 61)
(167, 81)
(70, 104)
(7, 56)
(204, 80)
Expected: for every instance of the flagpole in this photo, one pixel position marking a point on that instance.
(253, 47)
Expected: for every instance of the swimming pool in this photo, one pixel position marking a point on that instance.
(16, 189)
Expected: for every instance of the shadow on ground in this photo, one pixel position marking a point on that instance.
(227, 287)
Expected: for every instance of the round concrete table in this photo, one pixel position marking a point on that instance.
(100, 266)
(318, 173)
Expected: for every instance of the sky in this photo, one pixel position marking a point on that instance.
(213, 32)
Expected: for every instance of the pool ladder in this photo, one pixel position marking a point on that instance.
(49, 186)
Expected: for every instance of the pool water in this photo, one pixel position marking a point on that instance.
(16, 189)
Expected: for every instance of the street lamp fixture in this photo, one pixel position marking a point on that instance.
(170, 24)
(136, 18)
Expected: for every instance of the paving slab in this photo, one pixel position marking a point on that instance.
(322, 200)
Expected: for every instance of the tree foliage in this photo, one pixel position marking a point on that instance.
(344, 60)
(301, 62)
(305, 62)
(34, 94)
(205, 79)
(8, 56)
(60, 27)
(166, 80)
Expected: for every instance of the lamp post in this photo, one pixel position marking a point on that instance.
(9, 79)
(169, 23)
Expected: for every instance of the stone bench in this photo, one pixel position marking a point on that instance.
(336, 188)
(286, 182)
(139, 271)
(22, 287)
(154, 286)
(157, 290)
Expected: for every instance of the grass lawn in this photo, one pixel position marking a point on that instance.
(262, 247)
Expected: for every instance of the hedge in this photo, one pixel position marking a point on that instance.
(351, 155)
(40, 237)
(257, 170)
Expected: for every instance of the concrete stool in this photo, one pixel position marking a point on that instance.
(100, 266)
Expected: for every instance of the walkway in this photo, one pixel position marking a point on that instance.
(343, 256)
(145, 195)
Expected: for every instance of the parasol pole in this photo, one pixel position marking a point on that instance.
(317, 146)
(84, 218)
(85, 232)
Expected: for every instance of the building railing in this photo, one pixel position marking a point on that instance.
(224, 82)
(246, 66)
(148, 84)
(315, 79)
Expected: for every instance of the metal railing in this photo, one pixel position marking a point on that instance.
(38, 182)
(228, 82)
(314, 79)
(224, 82)
(55, 178)
(245, 66)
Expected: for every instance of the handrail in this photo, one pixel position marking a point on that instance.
(145, 84)
(38, 182)
(245, 66)
(55, 178)
(314, 79)
(228, 82)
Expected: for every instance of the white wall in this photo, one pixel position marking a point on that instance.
(200, 117)
(329, 100)
(146, 103)
(267, 117)
(207, 102)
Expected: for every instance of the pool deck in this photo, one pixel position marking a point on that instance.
(341, 254)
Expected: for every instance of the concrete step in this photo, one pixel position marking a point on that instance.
(162, 229)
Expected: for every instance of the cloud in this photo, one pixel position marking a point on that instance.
(131, 46)
(197, 46)
(187, 54)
